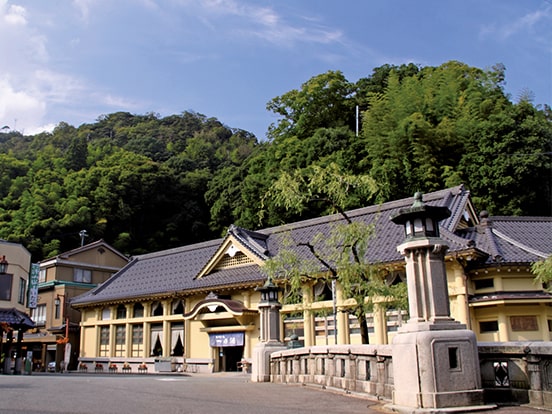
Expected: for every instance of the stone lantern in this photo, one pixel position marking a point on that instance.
(269, 308)
(435, 359)
(269, 339)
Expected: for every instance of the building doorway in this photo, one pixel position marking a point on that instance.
(229, 348)
(229, 358)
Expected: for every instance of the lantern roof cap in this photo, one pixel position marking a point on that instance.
(420, 209)
(268, 285)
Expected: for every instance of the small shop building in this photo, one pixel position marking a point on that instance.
(15, 263)
(54, 339)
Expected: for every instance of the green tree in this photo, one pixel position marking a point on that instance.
(543, 271)
(341, 253)
(322, 102)
(508, 167)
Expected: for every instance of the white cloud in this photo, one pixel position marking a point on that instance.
(526, 23)
(33, 90)
(13, 15)
(262, 22)
(118, 102)
(83, 8)
(18, 108)
(38, 129)
(56, 87)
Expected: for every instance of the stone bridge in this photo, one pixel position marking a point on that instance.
(511, 372)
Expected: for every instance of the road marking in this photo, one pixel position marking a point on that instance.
(171, 379)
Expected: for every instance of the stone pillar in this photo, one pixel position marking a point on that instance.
(534, 372)
(269, 309)
(435, 359)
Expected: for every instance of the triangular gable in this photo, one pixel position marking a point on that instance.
(87, 256)
(240, 247)
(97, 245)
(463, 213)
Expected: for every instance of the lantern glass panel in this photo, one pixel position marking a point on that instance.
(418, 226)
(429, 225)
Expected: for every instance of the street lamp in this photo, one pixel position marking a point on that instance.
(57, 302)
(3, 265)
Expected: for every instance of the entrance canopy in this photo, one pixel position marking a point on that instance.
(221, 312)
(15, 319)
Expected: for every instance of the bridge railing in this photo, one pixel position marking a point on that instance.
(512, 372)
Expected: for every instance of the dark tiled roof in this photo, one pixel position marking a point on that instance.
(387, 235)
(509, 296)
(254, 241)
(175, 270)
(15, 318)
(513, 239)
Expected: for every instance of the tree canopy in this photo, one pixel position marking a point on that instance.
(145, 182)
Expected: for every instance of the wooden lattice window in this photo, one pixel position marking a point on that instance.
(137, 340)
(104, 341)
(120, 339)
(239, 259)
(524, 323)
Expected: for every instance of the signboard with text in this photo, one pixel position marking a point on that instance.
(32, 293)
(226, 339)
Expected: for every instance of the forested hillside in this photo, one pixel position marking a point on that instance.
(145, 182)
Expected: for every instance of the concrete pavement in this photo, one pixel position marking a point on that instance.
(170, 394)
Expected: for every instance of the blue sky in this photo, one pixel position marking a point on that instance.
(74, 61)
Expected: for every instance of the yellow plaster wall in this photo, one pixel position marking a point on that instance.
(518, 283)
(199, 345)
(503, 313)
(88, 342)
(88, 315)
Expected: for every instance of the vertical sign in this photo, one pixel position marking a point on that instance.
(67, 356)
(32, 293)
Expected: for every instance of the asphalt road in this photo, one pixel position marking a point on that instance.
(177, 394)
(136, 394)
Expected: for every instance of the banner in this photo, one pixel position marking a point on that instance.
(32, 292)
(226, 339)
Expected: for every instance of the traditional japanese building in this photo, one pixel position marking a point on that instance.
(196, 307)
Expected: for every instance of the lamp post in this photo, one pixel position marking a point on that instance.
(64, 313)
(3, 270)
(65, 340)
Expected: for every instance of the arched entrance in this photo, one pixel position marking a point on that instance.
(227, 322)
